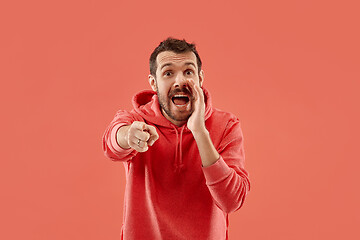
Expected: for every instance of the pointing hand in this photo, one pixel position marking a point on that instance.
(141, 135)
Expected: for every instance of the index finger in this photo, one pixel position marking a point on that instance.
(194, 90)
(200, 92)
(152, 131)
(140, 125)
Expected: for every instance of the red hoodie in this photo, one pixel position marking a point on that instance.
(169, 194)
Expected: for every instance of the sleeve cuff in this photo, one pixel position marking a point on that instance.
(216, 172)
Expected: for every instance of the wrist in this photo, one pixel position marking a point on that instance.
(122, 137)
(200, 133)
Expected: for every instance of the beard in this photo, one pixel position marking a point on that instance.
(166, 101)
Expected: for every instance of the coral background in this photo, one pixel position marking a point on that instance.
(288, 69)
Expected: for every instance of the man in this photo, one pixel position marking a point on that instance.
(184, 159)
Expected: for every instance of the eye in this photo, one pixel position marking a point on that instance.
(189, 72)
(167, 73)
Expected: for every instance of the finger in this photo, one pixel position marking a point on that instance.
(191, 85)
(200, 93)
(142, 135)
(153, 134)
(139, 125)
(135, 133)
(141, 144)
(138, 146)
(194, 90)
(152, 140)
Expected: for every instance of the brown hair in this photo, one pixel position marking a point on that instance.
(174, 45)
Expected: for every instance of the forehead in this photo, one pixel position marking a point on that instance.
(169, 57)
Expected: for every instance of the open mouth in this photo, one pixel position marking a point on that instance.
(180, 99)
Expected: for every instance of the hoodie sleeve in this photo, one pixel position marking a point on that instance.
(227, 179)
(111, 148)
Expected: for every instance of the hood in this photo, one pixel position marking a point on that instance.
(146, 104)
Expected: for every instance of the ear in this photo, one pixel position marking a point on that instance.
(152, 82)
(201, 77)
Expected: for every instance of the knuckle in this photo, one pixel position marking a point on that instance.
(152, 128)
(142, 136)
(147, 136)
(134, 124)
(132, 127)
(137, 124)
(132, 133)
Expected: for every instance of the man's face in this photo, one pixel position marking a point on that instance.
(171, 84)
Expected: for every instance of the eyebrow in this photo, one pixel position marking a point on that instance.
(169, 64)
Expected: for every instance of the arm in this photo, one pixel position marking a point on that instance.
(121, 137)
(111, 147)
(225, 177)
(127, 135)
(208, 153)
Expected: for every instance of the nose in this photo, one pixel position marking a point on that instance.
(180, 81)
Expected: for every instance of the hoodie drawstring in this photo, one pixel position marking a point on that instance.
(178, 152)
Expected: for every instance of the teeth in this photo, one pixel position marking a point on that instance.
(181, 95)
